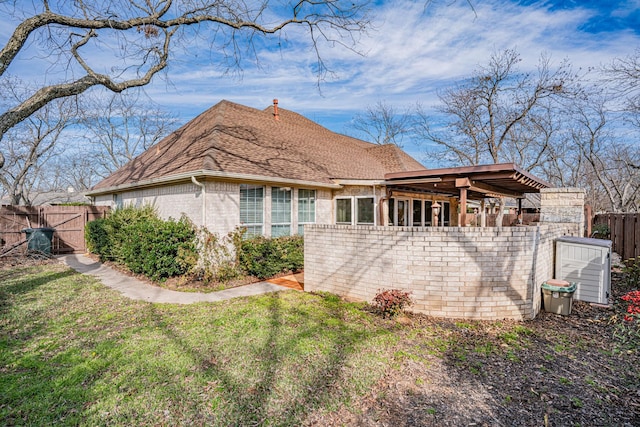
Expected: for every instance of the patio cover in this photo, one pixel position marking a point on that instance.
(469, 182)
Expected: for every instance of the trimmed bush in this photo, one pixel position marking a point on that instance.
(263, 258)
(154, 247)
(138, 239)
(97, 238)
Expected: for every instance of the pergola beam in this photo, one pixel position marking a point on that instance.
(487, 189)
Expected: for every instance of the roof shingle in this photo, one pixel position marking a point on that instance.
(233, 138)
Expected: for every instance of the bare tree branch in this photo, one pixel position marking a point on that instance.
(157, 22)
(383, 124)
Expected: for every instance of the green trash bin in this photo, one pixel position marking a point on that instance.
(558, 299)
(39, 239)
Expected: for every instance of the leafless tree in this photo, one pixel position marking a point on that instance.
(623, 75)
(142, 35)
(501, 114)
(31, 144)
(383, 124)
(605, 144)
(120, 127)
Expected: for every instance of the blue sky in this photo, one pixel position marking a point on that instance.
(413, 52)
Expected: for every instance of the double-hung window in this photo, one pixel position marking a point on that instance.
(280, 211)
(251, 208)
(306, 209)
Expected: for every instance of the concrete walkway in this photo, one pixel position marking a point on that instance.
(136, 289)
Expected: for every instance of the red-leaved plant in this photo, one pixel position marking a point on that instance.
(391, 302)
(633, 310)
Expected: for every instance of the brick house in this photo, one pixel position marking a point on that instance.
(271, 171)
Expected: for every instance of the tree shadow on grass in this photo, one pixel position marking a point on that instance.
(271, 359)
(22, 281)
(279, 383)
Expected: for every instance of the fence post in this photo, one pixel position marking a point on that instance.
(588, 217)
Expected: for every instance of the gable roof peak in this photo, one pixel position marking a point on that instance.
(231, 138)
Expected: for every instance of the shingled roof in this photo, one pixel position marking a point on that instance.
(237, 140)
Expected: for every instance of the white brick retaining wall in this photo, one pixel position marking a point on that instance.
(458, 272)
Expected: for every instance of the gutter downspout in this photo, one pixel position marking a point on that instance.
(204, 199)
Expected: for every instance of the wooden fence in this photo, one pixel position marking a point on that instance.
(68, 222)
(624, 232)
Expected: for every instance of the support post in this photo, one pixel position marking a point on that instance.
(463, 207)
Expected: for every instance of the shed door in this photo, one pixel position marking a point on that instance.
(587, 266)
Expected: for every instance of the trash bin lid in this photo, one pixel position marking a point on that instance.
(31, 230)
(568, 289)
(558, 282)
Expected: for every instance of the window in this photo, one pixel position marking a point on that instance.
(446, 214)
(365, 210)
(417, 213)
(343, 211)
(251, 208)
(391, 211)
(428, 212)
(280, 211)
(402, 212)
(306, 209)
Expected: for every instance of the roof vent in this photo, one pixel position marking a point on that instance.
(275, 110)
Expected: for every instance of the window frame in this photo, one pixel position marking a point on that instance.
(252, 225)
(281, 225)
(351, 213)
(357, 211)
(313, 201)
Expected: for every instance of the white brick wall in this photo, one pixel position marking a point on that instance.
(479, 273)
(222, 208)
(170, 200)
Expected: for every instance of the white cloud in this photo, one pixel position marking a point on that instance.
(412, 53)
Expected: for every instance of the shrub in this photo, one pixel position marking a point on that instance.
(217, 259)
(138, 239)
(631, 272)
(262, 257)
(154, 248)
(600, 231)
(97, 238)
(391, 302)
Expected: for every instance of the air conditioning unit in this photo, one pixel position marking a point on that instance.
(587, 262)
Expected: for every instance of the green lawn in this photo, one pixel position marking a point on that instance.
(74, 352)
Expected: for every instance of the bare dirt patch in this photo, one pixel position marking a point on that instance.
(25, 260)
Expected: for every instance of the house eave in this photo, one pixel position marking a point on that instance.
(359, 182)
(225, 176)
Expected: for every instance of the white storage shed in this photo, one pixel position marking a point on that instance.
(587, 262)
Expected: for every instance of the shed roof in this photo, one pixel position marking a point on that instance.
(495, 180)
(234, 140)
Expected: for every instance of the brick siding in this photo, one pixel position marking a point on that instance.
(475, 273)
